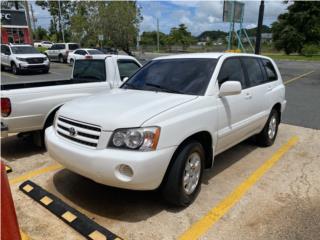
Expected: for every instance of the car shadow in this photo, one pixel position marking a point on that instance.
(127, 205)
(14, 147)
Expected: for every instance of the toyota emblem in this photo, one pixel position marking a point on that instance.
(72, 132)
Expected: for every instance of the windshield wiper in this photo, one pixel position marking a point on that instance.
(163, 88)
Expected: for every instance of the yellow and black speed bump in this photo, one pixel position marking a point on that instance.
(8, 169)
(78, 221)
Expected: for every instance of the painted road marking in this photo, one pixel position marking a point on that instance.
(35, 173)
(206, 222)
(298, 77)
(9, 75)
(8, 169)
(72, 217)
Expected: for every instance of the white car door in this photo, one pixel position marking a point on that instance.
(258, 90)
(234, 111)
(5, 55)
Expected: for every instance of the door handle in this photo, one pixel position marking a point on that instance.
(248, 96)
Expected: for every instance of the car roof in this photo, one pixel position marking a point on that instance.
(86, 49)
(214, 55)
(103, 56)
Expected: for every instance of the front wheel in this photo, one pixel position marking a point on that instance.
(269, 133)
(183, 181)
(14, 69)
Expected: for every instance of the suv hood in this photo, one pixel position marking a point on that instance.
(121, 108)
(30, 55)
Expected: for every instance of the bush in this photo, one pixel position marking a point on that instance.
(310, 49)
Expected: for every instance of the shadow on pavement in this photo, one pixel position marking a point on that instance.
(126, 205)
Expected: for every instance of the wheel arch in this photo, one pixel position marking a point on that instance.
(50, 116)
(277, 107)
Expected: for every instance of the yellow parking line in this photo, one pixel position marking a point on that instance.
(9, 75)
(298, 77)
(206, 222)
(35, 173)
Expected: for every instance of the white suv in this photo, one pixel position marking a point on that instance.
(23, 58)
(165, 124)
(60, 51)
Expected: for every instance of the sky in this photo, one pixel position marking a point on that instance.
(198, 15)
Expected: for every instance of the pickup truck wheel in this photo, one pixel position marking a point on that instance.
(183, 181)
(269, 133)
(14, 69)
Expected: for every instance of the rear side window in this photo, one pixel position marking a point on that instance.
(73, 46)
(255, 75)
(270, 71)
(80, 52)
(127, 68)
(89, 70)
(231, 70)
(58, 47)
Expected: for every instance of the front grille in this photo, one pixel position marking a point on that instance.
(35, 60)
(79, 132)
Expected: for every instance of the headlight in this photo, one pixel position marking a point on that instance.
(45, 59)
(143, 139)
(21, 59)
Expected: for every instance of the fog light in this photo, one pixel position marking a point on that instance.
(124, 172)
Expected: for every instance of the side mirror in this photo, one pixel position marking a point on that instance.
(230, 88)
(124, 79)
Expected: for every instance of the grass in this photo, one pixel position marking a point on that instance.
(293, 57)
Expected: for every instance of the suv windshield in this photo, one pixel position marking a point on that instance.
(89, 70)
(23, 50)
(183, 75)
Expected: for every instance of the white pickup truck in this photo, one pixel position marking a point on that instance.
(31, 106)
(164, 125)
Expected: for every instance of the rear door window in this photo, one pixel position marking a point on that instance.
(270, 71)
(127, 68)
(89, 70)
(254, 71)
(231, 70)
(73, 46)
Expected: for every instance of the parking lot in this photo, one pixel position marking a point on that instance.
(251, 193)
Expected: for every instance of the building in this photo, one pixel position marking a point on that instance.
(14, 26)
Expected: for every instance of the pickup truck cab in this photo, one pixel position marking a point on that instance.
(165, 124)
(30, 106)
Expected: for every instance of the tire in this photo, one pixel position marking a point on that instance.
(174, 190)
(61, 60)
(45, 71)
(3, 67)
(14, 69)
(269, 133)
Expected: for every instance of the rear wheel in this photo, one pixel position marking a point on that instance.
(269, 133)
(14, 69)
(61, 60)
(183, 182)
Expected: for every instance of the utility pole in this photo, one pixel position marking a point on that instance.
(259, 28)
(60, 25)
(26, 6)
(158, 37)
(34, 23)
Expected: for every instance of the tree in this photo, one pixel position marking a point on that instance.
(298, 27)
(86, 22)
(63, 21)
(41, 33)
(120, 23)
(180, 36)
(150, 38)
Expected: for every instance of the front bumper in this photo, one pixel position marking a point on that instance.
(27, 66)
(103, 165)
